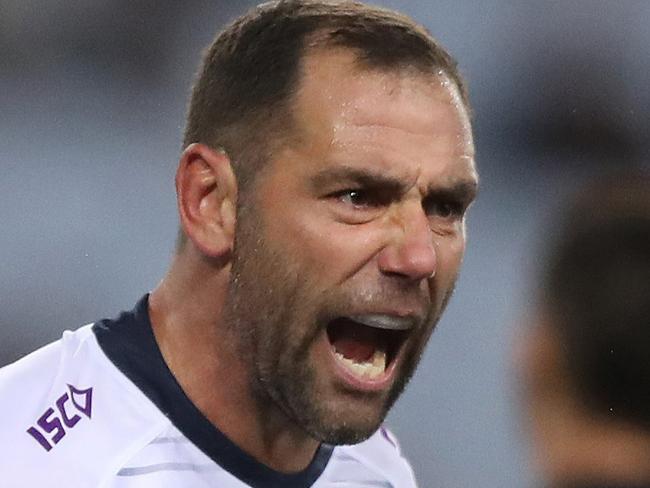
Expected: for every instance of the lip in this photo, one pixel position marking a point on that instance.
(386, 321)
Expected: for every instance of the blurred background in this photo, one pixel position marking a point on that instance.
(92, 103)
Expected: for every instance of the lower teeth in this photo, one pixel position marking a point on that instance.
(371, 368)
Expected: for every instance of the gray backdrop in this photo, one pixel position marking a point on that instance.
(92, 100)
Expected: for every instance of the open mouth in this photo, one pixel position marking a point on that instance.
(367, 345)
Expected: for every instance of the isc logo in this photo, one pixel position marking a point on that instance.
(53, 423)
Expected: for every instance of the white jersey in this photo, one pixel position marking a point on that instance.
(100, 408)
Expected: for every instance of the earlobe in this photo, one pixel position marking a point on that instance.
(206, 193)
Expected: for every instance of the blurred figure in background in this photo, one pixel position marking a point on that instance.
(585, 362)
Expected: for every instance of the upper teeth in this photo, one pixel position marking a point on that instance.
(381, 321)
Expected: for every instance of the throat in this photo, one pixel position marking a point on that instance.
(272, 436)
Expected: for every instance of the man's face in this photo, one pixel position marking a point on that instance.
(349, 243)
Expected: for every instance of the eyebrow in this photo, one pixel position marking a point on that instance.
(463, 190)
(368, 178)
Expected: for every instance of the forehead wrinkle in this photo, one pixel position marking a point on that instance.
(378, 164)
(409, 168)
(383, 125)
(378, 152)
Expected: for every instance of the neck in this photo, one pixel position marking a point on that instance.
(186, 312)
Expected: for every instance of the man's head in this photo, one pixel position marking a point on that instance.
(348, 133)
(589, 353)
(243, 99)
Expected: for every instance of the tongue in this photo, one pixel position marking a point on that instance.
(353, 349)
(355, 341)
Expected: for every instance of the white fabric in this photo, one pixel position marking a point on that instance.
(110, 435)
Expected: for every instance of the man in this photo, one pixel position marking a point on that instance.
(585, 361)
(327, 169)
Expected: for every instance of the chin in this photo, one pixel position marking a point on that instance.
(346, 435)
(344, 432)
(346, 421)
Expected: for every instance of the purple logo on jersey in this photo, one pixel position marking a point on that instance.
(50, 427)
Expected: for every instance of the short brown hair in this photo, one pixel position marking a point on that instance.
(241, 101)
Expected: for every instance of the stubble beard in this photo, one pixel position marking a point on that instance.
(273, 314)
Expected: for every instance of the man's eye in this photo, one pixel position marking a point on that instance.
(357, 198)
(445, 210)
(359, 205)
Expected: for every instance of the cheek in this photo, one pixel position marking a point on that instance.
(450, 256)
(330, 250)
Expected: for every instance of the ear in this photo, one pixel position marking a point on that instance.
(206, 191)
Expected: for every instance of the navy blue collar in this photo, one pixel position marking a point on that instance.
(129, 343)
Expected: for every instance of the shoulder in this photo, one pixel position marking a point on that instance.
(59, 411)
(379, 457)
(27, 380)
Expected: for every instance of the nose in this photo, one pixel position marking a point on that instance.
(410, 252)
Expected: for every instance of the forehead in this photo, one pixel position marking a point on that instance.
(384, 116)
